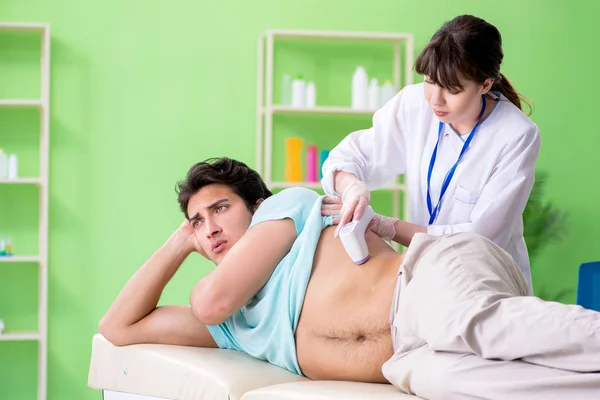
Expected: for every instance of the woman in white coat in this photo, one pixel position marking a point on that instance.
(467, 149)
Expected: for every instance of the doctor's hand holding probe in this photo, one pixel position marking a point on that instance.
(467, 149)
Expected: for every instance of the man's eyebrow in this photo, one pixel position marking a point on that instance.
(208, 207)
(216, 203)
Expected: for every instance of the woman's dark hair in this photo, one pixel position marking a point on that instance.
(243, 181)
(471, 47)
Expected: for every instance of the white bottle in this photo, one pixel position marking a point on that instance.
(359, 89)
(13, 167)
(286, 90)
(3, 165)
(387, 92)
(1, 326)
(311, 95)
(298, 92)
(373, 94)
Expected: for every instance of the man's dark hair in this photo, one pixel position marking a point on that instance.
(243, 181)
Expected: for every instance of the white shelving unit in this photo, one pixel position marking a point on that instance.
(43, 105)
(317, 110)
(20, 336)
(27, 181)
(20, 259)
(21, 103)
(266, 109)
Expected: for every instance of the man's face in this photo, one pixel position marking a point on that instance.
(219, 218)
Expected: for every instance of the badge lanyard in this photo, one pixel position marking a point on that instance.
(433, 212)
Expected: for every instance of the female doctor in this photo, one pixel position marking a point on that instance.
(467, 149)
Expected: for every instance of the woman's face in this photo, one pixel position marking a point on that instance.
(460, 109)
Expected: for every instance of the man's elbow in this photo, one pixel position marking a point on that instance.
(114, 334)
(209, 309)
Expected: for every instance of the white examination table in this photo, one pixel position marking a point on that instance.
(150, 372)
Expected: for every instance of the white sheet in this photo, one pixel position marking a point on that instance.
(185, 373)
(110, 395)
(177, 372)
(328, 390)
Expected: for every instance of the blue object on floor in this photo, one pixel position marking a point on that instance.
(588, 286)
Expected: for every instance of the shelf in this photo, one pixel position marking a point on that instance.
(318, 110)
(16, 259)
(39, 104)
(20, 336)
(20, 103)
(30, 181)
(325, 35)
(317, 185)
(401, 56)
(23, 27)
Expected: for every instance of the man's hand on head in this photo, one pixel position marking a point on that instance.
(187, 231)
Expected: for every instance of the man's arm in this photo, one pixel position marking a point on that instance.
(134, 318)
(243, 271)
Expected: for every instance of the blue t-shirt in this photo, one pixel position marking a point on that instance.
(265, 327)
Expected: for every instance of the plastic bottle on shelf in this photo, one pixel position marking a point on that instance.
(2, 246)
(359, 89)
(298, 92)
(387, 92)
(13, 167)
(286, 90)
(374, 94)
(1, 327)
(311, 163)
(311, 95)
(293, 162)
(3, 165)
(324, 155)
(9, 246)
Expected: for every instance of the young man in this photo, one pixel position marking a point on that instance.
(288, 293)
(284, 293)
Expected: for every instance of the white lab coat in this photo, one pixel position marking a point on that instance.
(490, 187)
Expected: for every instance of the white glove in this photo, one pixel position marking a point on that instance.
(381, 225)
(355, 199)
(384, 227)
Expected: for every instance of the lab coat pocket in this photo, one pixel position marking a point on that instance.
(466, 196)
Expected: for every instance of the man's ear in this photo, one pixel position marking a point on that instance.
(258, 203)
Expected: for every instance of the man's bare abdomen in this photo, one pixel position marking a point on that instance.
(343, 332)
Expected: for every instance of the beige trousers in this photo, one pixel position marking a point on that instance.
(461, 317)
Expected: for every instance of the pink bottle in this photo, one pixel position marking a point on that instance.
(311, 163)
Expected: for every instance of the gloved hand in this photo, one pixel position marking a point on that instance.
(384, 227)
(355, 199)
(381, 225)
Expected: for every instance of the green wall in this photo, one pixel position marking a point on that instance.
(141, 90)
